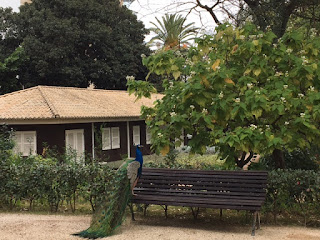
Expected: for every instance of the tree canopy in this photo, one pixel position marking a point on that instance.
(172, 31)
(274, 14)
(75, 43)
(241, 90)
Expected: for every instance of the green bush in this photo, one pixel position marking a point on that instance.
(293, 191)
(46, 180)
(307, 159)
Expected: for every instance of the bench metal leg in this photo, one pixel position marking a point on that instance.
(166, 211)
(259, 222)
(254, 223)
(165, 207)
(220, 213)
(195, 212)
(131, 210)
(145, 209)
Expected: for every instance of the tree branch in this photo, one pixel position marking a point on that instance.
(210, 10)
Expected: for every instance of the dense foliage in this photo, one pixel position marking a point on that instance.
(75, 43)
(45, 181)
(240, 90)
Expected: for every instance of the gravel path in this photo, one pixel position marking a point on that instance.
(51, 227)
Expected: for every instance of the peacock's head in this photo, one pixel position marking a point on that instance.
(139, 146)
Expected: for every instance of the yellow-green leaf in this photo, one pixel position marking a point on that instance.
(255, 42)
(174, 68)
(257, 113)
(229, 81)
(164, 151)
(247, 71)
(234, 49)
(257, 71)
(176, 74)
(216, 65)
(205, 82)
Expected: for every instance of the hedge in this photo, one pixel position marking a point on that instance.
(44, 180)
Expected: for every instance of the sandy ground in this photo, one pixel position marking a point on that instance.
(50, 227)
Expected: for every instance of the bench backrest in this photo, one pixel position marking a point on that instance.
(233, 186)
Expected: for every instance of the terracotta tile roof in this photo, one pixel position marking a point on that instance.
(44, 102)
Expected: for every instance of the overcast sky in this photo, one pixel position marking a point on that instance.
(10, 3)
(147, 10)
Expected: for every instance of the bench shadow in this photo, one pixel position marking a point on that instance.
(211, 223)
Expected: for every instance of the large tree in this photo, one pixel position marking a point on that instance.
(74, 43)
(245, 92)
(274, 14)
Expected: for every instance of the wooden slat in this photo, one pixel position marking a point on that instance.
(204, 195)
(214, 193)
(202, 205)
(211, 172)
(202, 183)
(244, 189)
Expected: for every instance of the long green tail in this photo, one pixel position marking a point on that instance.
(111, 209)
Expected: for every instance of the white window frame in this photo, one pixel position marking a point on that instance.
(20, 143)
(148, 135)
(106, 139)
(110, 138)
(136, 135)
(75, 132)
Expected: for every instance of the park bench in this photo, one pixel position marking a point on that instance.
(238, 190)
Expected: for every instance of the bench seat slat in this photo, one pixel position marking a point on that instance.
(215, 193)
(204, 195)
(198, 179)
(211, 176)
(200, 200)
(244, 189)
(202, 183)
(202, 172)
(199, 204)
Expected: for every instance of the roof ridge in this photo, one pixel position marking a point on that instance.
(50, 105)
(19, 91)
(78, 88)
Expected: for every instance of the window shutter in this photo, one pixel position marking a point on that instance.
(18, 142)
(115, 131)
(29, 144)
(80, 143)
(106, 140)
(136, 135)
(25, 143)
(148, 136)
(75, 142)
(69, 140)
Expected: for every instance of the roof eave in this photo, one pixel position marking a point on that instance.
(67, 120)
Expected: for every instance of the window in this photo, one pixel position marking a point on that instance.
(75, 141)
(110, 138)
(148, 136)
(136, 135)
(25, 143)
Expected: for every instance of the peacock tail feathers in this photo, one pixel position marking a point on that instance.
(110, 212)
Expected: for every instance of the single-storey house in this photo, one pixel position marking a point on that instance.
(101, 123)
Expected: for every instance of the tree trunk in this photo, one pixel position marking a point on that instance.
(278, 158)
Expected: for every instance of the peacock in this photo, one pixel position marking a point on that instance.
(111, 209)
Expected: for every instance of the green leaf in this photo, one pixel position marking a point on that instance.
(176, 74)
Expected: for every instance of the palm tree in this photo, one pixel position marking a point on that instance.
(172, 32)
